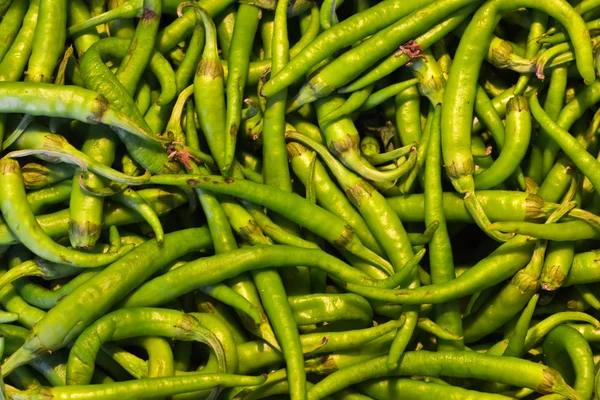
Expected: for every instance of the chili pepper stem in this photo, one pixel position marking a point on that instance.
(30, 350)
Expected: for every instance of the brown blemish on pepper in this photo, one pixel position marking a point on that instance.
(554, 278)
(249, 231)
(83, 234)
(358, 192)
(517, 104)
(192, 182)
(534, 207)
(148, 14)
(526, 283)
(345, 144)
(457, 170)
(99, 108)
(345, 237)
(9, 166)
(229, 181)
(210, 68)
(549, 378)
(295, 150)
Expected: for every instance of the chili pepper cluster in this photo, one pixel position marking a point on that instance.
(344, 200)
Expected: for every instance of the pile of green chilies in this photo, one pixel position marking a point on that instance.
(263, 199)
